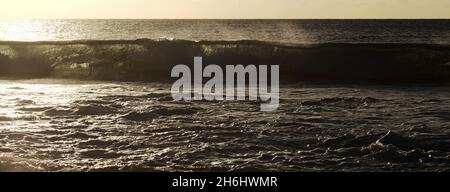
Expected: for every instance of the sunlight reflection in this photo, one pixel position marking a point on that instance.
(24, 95)
(26, 30)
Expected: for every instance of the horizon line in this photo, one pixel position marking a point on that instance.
(418, 18)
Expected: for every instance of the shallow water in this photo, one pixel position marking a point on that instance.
(71, 125)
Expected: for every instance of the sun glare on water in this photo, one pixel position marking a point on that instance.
(26, 96)
(24, 30)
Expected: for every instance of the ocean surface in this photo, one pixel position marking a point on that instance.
(71, 125)
(93, 95)
(284, 31)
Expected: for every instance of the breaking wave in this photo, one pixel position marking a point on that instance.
(151, 60)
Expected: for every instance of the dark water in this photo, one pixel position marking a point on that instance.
(54, 125)
(284, 31)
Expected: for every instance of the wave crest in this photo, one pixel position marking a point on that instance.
(152, 60)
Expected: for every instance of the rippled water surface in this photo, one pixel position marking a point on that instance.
(283, 31)
(55, 125)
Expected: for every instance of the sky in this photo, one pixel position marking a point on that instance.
(223, 9)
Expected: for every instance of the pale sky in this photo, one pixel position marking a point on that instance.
(222, 9)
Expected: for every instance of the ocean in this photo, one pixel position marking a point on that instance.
(278, 31)
(94, 95)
